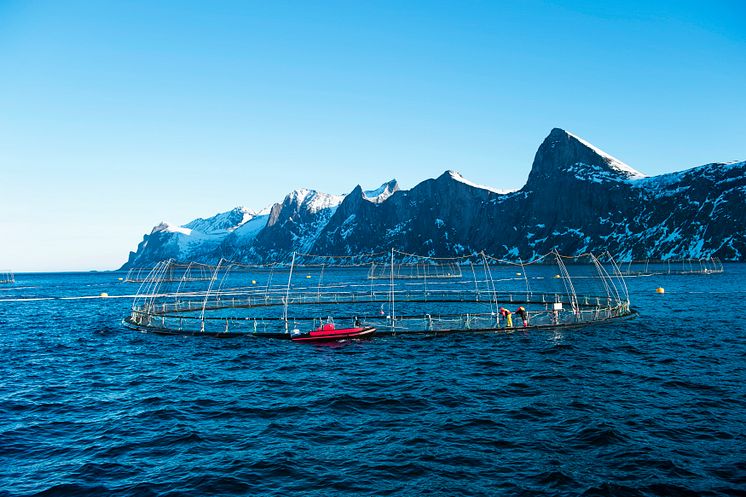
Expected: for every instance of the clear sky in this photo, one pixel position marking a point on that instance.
(116, 115)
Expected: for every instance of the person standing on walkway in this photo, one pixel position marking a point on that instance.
(521, 311)
(508, 317)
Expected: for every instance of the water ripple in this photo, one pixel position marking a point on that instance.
(647, 407)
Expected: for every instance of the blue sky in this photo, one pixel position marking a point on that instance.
(117, 115)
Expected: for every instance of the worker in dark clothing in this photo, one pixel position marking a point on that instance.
(521, 312)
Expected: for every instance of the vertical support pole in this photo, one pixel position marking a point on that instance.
(568, 282)
(474, 274)
(620, 277)
(492, 285)
(525, 278)
(269, 280)
(287, 293)
(424, 275)
(207, 295)
(391, 291)
(318, 288)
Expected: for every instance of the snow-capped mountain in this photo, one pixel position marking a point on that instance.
(198, 239)
(577, 199)
(292, 225)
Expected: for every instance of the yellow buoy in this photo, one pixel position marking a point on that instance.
(557, 276)
(253, 282)
(104, 294)
(120, 279)
(517, 274)
(660, 290)
(308, 276)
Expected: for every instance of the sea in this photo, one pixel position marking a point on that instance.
(650, 406)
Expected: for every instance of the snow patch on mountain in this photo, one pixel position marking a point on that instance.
(164, 227)
(251, 228)
(455, 175)
(311, 231)
(222, 222)
(593, 174)
(705, 171)
(187, 243)
(382, 192)
(348, 226)
(628, 171)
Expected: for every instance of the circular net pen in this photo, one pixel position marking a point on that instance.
(391, 292)
(655, 267)
(7, 277)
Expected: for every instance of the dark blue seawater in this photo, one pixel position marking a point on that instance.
(654, 406)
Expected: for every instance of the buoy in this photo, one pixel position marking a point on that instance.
(557, 276)
(308, 276)
(104, 294)
(120, 279)
(660, 290)
(517, 274)
(253, 282)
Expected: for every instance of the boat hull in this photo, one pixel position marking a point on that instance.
(336, 334)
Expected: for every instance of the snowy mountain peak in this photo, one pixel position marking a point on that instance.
(564, 157)
(312, 200)
(382, 192)
(456, 176)
(162, 226)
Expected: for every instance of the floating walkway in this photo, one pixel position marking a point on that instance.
(397, 293)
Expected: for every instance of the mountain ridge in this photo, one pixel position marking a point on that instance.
(576, 198)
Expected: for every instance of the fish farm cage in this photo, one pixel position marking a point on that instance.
(420, 270)
(7, 277)
(391, 292)
(176, 272)
(652, 267)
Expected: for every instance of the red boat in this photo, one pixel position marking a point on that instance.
(328, 332)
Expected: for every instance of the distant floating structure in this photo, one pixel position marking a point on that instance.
(396, 293)
(177, 272)
(654, 267)
(420, 270)
(7, 277)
